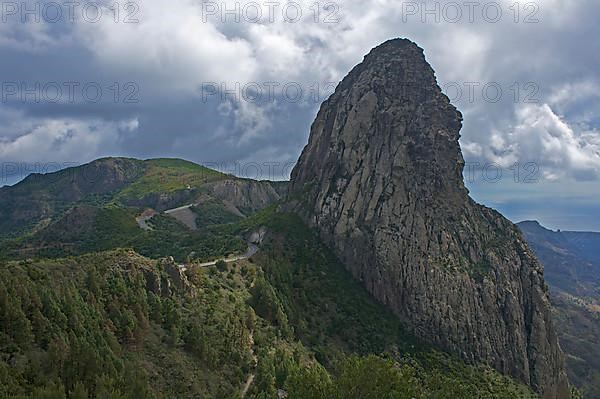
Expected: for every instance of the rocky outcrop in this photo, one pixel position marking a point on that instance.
(247, 196)
(381, 181)
(162, 201)
(166, 278)
(176, 274)
(240, 196)
(257, 237)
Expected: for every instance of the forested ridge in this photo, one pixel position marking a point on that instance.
(118, 325)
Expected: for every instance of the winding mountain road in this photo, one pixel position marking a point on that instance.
(252, 249)
(185, 215)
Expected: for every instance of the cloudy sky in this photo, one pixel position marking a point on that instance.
(235, 85)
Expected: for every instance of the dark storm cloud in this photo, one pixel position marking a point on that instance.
(173, 50)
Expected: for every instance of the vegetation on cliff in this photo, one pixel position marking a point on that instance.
(119, 325)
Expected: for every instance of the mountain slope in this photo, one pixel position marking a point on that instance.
(381, 181)
(159, 184)
(333, 316)
(119, 202)
(570, 259)
(115, 324)
(573, 273)
(39, 198)
(587, 243)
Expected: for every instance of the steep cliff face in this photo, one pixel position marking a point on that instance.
(245, 195)
(571, 259)
(572, 269)
(381, 180)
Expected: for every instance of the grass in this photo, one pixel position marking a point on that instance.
(294, 297)
(167, 176)
(91, 229)
(213, 212)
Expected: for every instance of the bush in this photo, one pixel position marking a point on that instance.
(221, 265)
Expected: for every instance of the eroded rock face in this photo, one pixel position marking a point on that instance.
(245, 195)
(381, 180)
(166, 278)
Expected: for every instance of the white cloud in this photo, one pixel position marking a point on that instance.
(541, 136)
(173, 50)
(65, 140)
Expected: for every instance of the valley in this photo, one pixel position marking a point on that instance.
(572, 268)
(370, 274)
(291, 304)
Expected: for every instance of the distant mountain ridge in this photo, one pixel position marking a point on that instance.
(155, 183)
(572, 268)
(571, 259)
(96, 207)
(588, 243)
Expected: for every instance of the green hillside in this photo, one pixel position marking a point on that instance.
(118, 325)
(155, 183)
(88, 229)
(336, 319)
(94, 207)
(93, 303)
(167, 176)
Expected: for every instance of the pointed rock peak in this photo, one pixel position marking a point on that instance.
(381, 181)
(397, 71)
(398, 59)
(388, 113)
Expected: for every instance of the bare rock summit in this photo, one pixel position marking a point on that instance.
(381, 181)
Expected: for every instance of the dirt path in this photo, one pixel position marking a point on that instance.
(252, 249)
(252, 375)
(249, 382)
(185, 215)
